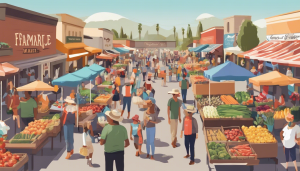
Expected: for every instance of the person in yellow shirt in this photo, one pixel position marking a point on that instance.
(178, 72)
(213, 61)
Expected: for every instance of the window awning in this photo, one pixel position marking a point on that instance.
(104, 56)
(199, 48)
(212, 48)
(284, 52)
(113, 51)
(122, 50)
(110, 54)
(117, 45)
(92, 49)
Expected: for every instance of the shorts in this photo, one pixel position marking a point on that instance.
(136, 140)
(290, 152)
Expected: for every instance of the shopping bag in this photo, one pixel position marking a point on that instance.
(137, 100)
(83, 151)
(9, 111)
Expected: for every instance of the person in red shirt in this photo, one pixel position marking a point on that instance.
(190, 129)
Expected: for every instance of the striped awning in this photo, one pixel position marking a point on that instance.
(211, 48)
(283, 52)
(117, 45)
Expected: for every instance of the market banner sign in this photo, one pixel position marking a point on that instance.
(284, 37)
(229, 40)
(73, 39)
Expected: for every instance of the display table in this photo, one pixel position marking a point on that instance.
(56, 130)
(23, 161)
(55, 109)
(28, 148)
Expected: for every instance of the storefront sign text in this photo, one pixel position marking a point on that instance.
(229, 40)
(32, 40)
(156, 44)
(30, 50)
(72, 39)
(107, 45)
(284, 37)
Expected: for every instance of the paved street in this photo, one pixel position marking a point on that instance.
(165, 157)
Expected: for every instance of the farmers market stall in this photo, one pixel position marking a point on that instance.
(235, 146)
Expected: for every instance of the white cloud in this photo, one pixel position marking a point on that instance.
(103, 16)
(204, 16)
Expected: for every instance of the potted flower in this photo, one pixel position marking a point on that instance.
(294, 97)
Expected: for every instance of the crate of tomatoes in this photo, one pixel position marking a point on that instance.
(234, 133)
(94, 108)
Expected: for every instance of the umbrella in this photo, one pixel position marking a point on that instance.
(6, 68)
(36, 86)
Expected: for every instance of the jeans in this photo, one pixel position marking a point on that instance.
(150, 140)
(170, 78)
(118, 157)
(184, 92)
(69, 136)
(144, 76)
(25, 122)
(126, 102)
(189, 142)
(290, 152)
(177, 78)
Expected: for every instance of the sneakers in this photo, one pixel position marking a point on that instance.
(187, 156)
(68, 155)
(137, 154)
(191, 162)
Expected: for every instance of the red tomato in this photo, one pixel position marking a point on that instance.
(5, 159)
(17, 157)
(1, 165)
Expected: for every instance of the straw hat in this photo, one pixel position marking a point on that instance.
(114, 115)
(174, 91)
(190, 109)
(69, 100)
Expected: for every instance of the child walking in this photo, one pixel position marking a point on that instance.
(136, 132)
(88, 140)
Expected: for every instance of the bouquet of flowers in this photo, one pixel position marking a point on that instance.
(295, 97)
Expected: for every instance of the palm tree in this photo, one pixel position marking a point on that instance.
(140, 30)
(157, 28)
(174, 30)
(182, 33)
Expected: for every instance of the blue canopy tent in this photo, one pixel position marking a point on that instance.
(86, 74)
(122, 50)
(228, 71)
(211, 48)
(68, 80)
(199, 48)
(96, 68)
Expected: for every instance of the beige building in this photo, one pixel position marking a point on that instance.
(232, 24)
(105, 35)
(69, 40)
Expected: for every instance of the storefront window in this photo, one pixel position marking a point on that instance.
(80, 34)
(75, 34)
(228, 27)
(72, 33)
(69, 34)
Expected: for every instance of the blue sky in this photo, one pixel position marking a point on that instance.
(165, 12)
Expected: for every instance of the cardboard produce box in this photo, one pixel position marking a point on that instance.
(216, 88)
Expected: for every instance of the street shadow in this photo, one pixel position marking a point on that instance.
(178, 144)
(95, 165)
(161, 118)
(162, 158)
(197, 160)
(143, 109)
(76, 157)
(127, 121)
(189, 102)
(158, 143)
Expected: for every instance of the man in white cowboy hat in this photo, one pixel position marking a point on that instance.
(174, 105)
(114, 138)
(68, 119)
(190, 129)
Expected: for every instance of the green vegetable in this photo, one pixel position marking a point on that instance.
(211, 145)
(241, 138)
(212, 152)
(222, 155)
(227, 157)
(214, 157)
(222, 149)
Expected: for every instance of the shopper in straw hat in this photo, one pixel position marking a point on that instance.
(174, 115)
(68, 120)
(114, 138)
(190, 129)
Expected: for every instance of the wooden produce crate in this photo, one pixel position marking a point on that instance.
(233, 127)
(233, 144)
(213, 137)
(279, 123)
(104, 101)
(56, 129)
(265, 150)
(22, 161)
(32, 145)
(225, 122)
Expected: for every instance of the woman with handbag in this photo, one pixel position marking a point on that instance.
(88, 140)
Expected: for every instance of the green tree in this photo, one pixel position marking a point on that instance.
(174, 30)
(140, 30)
(121, 33)
(182, 33)
(157, 28)
(199, 29)
(188, 31)
(177, 42)
(124, 36)
(116, 35)
(247, 37)
(131, 35)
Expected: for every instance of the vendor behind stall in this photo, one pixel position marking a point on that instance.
(28, 108)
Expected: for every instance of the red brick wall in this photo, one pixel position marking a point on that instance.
(208, 37)
(10, 26)
(220, 36)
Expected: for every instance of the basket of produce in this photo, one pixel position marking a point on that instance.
(227, 99)
(103, 98)
(241, 150)
(279, 118)
(234, 133)
(233, 111)
(214, 101)
(258, 135)
(209, 112)
(242, 96)
(218, 151)
(24, 138)
(215, 134)
(262, 109)
(268, 102)
(12, 160)
(94, 108)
